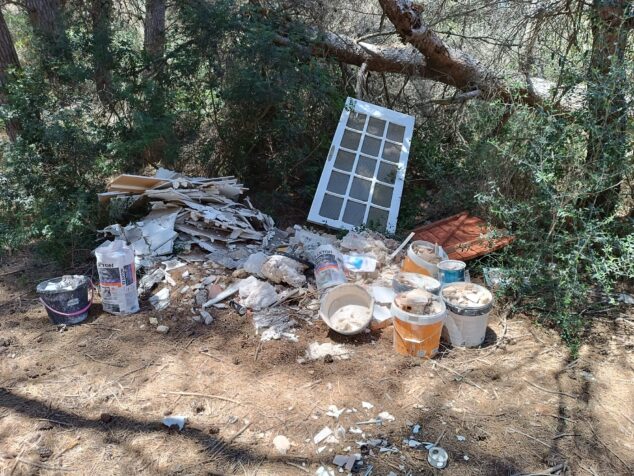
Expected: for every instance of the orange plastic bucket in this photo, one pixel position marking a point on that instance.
(417, 335)
(415, 264)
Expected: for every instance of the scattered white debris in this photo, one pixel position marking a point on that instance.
(153, 321)
(175, 420)
(184, 289)
(334, 412)
(281, 443)
(385, 416)
(416, 429)
(162, 329)
(230, 291)
(256, 294)
(367, 405)
(412, 443)
(161, 299)
(383, 295)
(466, 457)
(625, 298)
(355, 430)
(185, 274)
(274, 324)
(318, 351)
(173, 264)
(322, 435)
(460, 438)
(281, 269)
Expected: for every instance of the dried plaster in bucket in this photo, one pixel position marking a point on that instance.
(419, 301)
(350, 317)
(426, 253)
(468, 295)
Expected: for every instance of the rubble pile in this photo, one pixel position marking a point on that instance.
(419, 301)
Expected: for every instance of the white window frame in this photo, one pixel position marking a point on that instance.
(371, 110)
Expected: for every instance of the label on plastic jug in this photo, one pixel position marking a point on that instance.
(328, 268)
(117, 278)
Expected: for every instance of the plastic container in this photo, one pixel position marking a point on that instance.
(413, 263)
(117, 277)
(328, 268)
(451, 271)
(466, 324)
(403, 282)
(347, 309)
(417, 335)
(66, 298)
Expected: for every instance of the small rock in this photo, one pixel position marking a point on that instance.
(44, 452)
(236, 361)
(44, 426)
(154, 321)
(213, 430)
(162, 329)
(239, 274)
(281, 443)
(207, 318)
(201, 297)
(196, 318)
(328, 359)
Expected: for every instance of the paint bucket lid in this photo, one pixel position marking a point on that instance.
(467, 299)
(452, 265)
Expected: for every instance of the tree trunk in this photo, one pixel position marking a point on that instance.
(8, 59)
(47, 19)
(607, 103)
(102, 56)
(154, 29)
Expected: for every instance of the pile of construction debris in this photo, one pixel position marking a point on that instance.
(184, 211)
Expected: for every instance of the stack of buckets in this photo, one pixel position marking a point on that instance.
(419, 335)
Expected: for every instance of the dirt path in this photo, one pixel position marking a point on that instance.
(90, 400)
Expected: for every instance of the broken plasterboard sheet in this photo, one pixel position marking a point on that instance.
(253, 264)
(134, 183)
(362, 180)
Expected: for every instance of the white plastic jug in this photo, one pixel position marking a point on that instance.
(117, 277)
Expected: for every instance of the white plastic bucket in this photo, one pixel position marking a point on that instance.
(117, 277)
(415, 334)
(415, 264)
(347, 300)
(466, 325)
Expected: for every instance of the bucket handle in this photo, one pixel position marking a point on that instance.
(76, 313)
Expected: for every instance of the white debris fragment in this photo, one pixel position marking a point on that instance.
(383, 295)
(175, 420)
(253, 264)
(367, 405)
(230, 291)
(256, 294)
(281, 269)
(153, 321)
(161, 299)
(416, 429)
(322, 435)
(173, 264)
(355, 430)
(318, 351)
(281, 444)
(460, 438)
(324, 471)
(162, 329)
(466, 457)
(169, 280)
(334, 412)
(185, 274)
(184, 289)
(385, 416)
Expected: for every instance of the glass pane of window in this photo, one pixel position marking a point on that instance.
(331, 207)
(377, 217)
(356, 121)
(366, 166)
(344, 160)
(350, 140)
(360, 189)
(353, 215)
(392, 152)
(387, 172)
(376, 126)
(338, 183)
(382, 195)
(371, 146)
(395, 132)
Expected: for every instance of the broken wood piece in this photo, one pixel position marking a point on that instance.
(205, 395)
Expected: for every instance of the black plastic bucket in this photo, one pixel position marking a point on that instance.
(66, 298)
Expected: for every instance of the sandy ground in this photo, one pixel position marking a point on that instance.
(90, 399)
